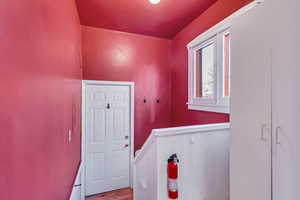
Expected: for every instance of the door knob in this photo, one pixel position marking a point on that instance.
(126, 137)
(108, 106)
(126, 145)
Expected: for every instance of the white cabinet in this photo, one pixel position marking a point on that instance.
(265, 103)
(250, 108)
(286, 100)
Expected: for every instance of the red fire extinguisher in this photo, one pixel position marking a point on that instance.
(172, 176)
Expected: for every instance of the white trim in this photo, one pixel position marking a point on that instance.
(219, 27)
(209, 108)
(75, 184)
(150, 162)
(94, 82)
(215, 34)
(204, 100)
(217, 103)
(83, 142)
(167, 132)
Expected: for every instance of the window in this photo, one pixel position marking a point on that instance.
(209, 71)
(226, 65)
(205, 71)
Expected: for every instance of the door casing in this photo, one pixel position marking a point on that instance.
(85, 83)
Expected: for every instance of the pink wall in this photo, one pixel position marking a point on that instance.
(40, 86)
(180, 115)
(40, 73)
(157, 66)
(118, 56)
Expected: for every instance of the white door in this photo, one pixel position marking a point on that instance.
(250, 165)
(107, 138)
(286, 99)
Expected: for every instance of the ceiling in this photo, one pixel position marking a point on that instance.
(140, 16)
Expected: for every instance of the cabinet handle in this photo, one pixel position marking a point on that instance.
(263, 136)
(108, 106)
(277, 135)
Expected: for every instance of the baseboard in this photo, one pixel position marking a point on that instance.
(76, 189)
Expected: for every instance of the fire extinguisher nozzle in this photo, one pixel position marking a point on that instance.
(173, 158)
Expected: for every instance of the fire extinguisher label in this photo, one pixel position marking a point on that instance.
(172, 185)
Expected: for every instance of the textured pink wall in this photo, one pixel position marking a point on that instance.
(118, 56)
(40, 98)
(180, 114)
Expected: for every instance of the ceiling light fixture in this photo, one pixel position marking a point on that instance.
(154, 1)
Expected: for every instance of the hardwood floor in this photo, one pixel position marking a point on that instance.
(124, 194)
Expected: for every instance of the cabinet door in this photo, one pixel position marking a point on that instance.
(286, 99)
(250, 171)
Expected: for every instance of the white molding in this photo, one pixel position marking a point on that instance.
(83, 127)
(131, 84)
(94, 82)
(210, 108)
(167, 132)
(73, 195)
(218, 103)
(219, 27)
(146, 145)
(210, 33)
(83, 139)
(151, 161)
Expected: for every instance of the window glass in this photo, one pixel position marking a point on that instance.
(205, 71)
(226, 65)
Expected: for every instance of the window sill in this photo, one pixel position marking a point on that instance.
(209, 108)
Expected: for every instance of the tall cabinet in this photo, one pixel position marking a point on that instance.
(265, 102)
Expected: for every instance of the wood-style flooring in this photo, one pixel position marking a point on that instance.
(123, 194)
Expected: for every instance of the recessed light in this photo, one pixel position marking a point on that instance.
(154, 1)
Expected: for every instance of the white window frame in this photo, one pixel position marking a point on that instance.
(219, 103)
(203, 100)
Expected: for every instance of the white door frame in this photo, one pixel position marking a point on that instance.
(85, 83)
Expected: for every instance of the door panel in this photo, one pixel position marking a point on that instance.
(107, 138)
(98, 166)
(250, 169)
(119, 115)
(286, 100)
(119, 126)
(98, 124)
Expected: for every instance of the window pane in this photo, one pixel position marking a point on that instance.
(205, 74)
(226, 65)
